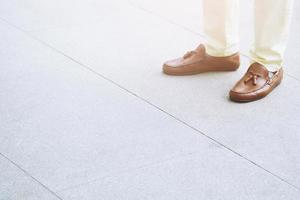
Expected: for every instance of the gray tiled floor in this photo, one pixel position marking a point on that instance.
(16, 184)
(87, 114)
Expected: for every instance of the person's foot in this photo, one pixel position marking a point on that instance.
(198, 61)
(257, 83)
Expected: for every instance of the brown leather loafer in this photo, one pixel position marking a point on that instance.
(257, 83)
(198, 61)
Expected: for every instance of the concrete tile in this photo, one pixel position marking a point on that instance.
(66, 125)
(40, 15)
(15, 185)
(265, 131)
(187, 14)
(207, 175)
(58, 121)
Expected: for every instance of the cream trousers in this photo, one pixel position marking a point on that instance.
(271, 27)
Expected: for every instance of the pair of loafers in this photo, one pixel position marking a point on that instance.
(256, 83)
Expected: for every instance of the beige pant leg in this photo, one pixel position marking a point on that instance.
(221, 20)
(272, 20)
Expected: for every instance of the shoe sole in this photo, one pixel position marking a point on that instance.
(207, 69)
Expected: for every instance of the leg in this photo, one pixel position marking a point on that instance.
(220, 51)
(272, 20)
(221, 20)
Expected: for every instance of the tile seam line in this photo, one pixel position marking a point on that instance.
(33, 178)
(135, 5)
(151, 104)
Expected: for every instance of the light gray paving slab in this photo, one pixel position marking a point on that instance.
(16, 185)
(40, 15)
(214, 175)
(49, 104)
(265, 131)
(187, 15)
(66, 125)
